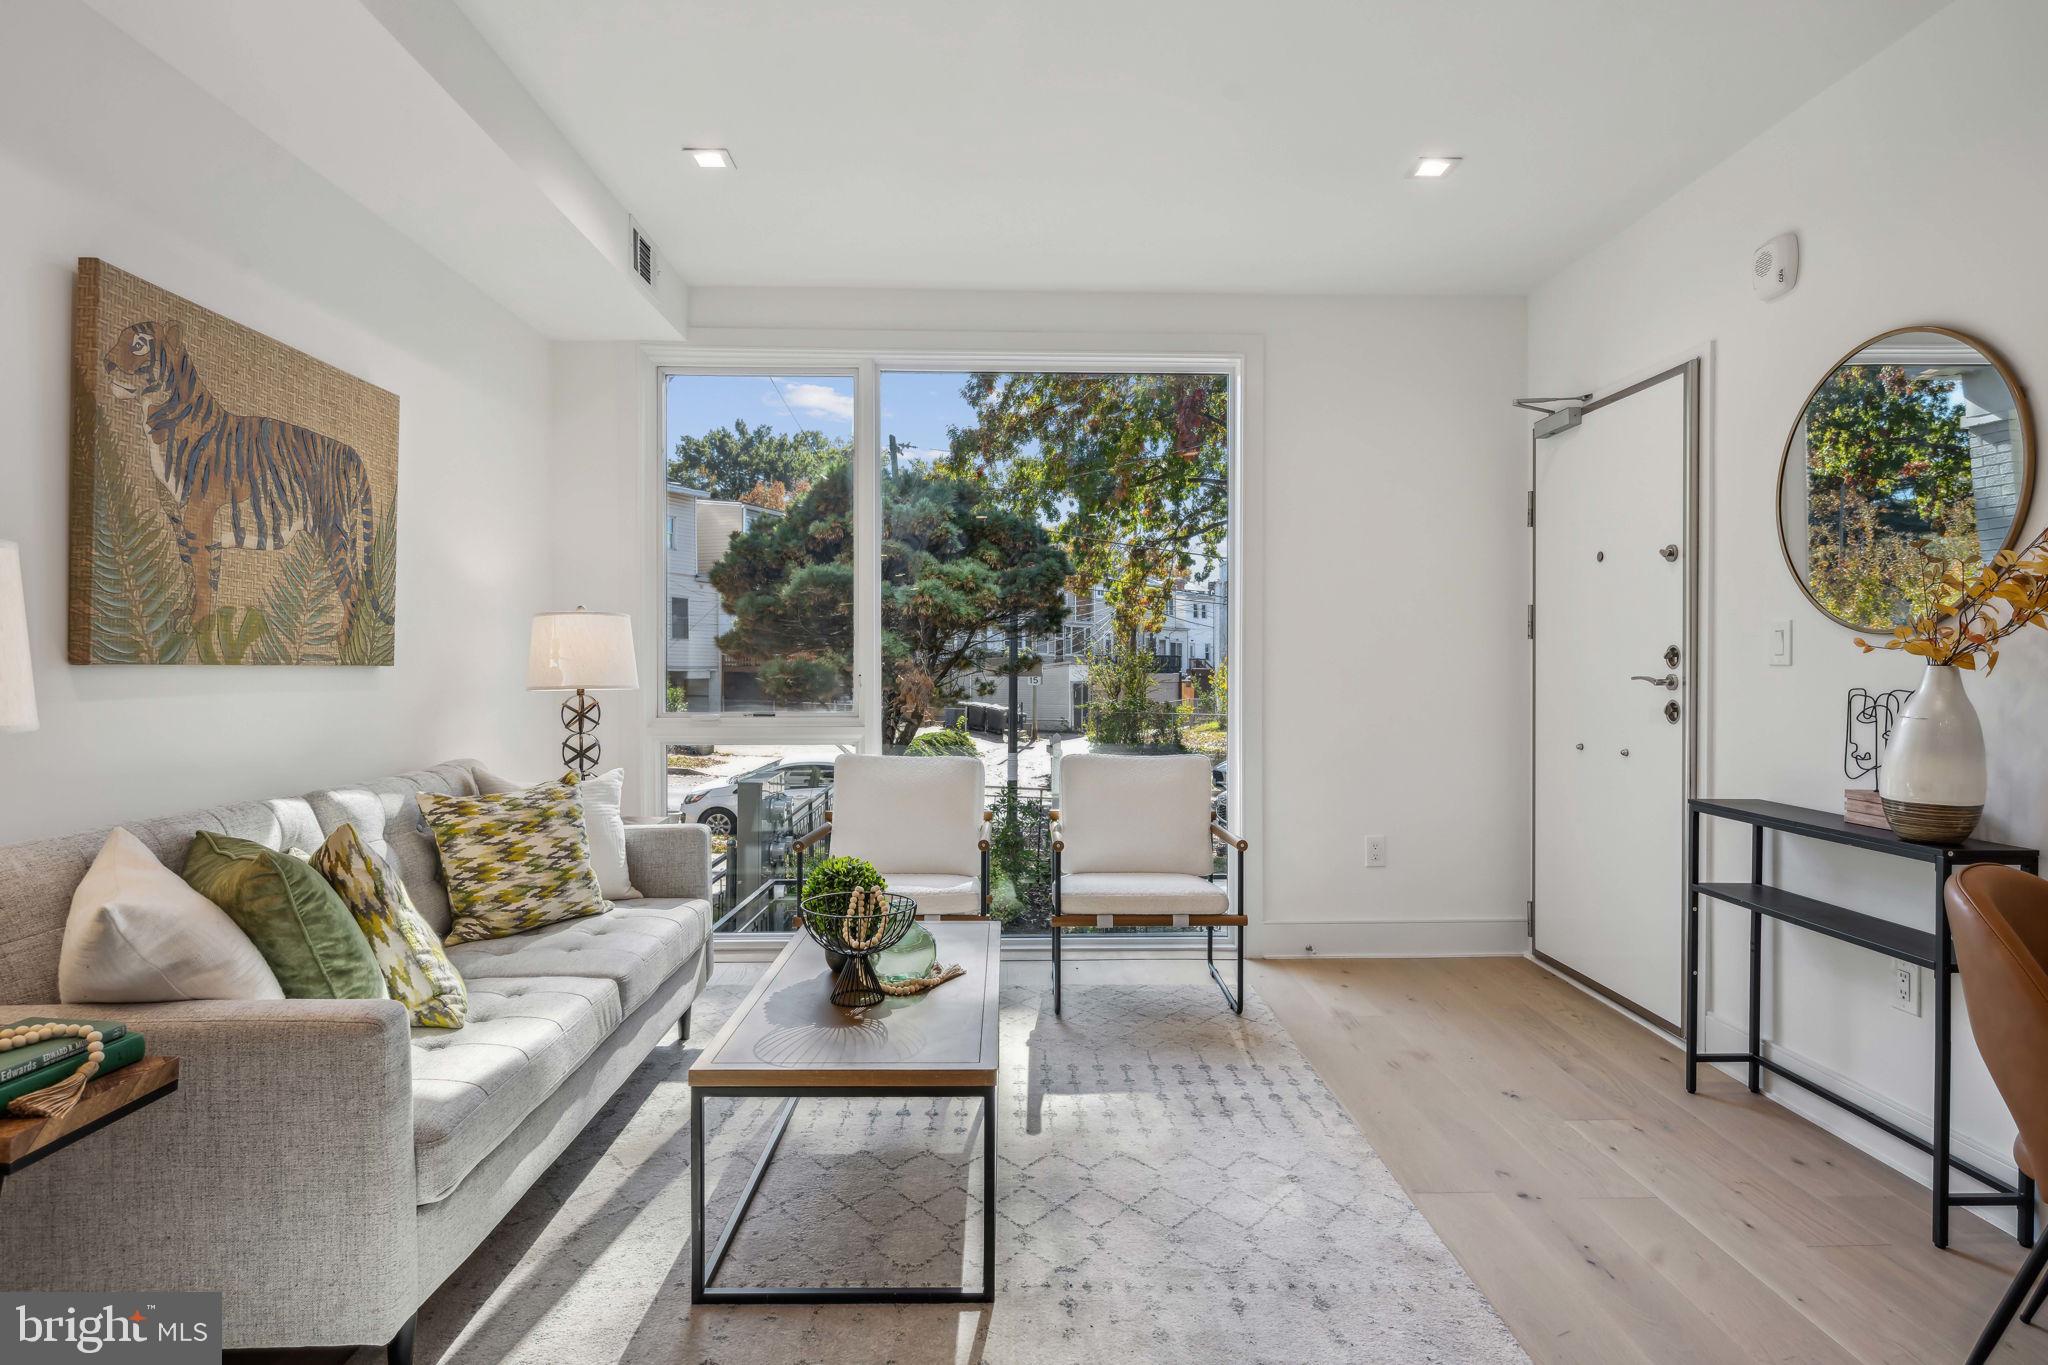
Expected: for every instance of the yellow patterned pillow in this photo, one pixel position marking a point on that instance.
(513, 861)
(416, 972)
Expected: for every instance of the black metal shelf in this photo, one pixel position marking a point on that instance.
(1850, 926)
(1932, 950)
(1836, 829)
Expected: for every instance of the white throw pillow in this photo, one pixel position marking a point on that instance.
(606, 830)
(138, 933)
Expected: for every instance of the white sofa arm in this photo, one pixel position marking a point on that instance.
(280, 1173)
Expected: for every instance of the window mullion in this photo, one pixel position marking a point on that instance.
(867, 555)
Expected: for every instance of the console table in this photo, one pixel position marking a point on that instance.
(1932, 950)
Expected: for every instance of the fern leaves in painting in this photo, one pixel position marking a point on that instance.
(301, 608)
(371, 641)
(139, 588)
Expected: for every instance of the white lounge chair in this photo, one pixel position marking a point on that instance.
(1133, 845)
(920, 821)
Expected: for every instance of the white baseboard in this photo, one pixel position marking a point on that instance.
(1505, 937)
(1723, 1035)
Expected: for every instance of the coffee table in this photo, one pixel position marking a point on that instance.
(787, 1040)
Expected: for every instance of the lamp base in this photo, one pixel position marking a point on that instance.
(580, 750)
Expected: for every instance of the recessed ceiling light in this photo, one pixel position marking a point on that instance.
(1434, 167)
(712, 158)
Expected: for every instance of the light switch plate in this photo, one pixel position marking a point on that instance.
(1781, 644)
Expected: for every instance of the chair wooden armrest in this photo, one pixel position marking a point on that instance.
(816, 836)
(1217, 831)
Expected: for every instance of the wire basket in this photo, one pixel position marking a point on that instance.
(853, 927)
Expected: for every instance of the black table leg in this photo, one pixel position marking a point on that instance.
(988, 1195)
(705, 1262)
(1756, 964)
(1944, 971)
(1692, 960)
(696, 1195)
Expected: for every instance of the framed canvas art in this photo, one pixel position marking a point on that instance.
(233, 501)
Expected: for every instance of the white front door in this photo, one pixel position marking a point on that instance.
(1612, 567)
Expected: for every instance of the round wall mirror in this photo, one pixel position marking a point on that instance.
(1916, 450)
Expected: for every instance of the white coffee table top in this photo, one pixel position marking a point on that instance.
(789, 1033)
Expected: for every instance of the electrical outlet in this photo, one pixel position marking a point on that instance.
(1375, 850)
(1905, 987)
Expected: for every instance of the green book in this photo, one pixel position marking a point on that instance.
(21, 1061)
(123, 1050)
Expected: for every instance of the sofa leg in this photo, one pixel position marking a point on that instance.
(683, 1028)
(399, 1350)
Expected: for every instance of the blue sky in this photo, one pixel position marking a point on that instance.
(916, 407)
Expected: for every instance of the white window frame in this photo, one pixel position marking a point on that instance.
(865, 356)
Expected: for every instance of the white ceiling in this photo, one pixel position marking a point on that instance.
(1172, 144)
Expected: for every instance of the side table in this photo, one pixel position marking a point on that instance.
(23, 1142)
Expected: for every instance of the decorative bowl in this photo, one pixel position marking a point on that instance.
(854, 927)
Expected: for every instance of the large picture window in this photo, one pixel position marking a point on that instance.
(1015, 565)
(758, 495)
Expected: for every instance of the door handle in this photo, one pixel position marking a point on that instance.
(1668, 681)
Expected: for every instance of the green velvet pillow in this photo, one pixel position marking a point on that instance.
(296, 920)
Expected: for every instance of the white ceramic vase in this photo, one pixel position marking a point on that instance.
(1933, 781)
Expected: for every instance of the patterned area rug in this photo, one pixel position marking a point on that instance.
(1173, 1183)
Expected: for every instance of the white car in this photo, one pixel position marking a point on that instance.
(717, 805)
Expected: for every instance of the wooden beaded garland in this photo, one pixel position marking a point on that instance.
(55, 1101)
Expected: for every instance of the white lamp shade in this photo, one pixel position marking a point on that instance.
(17, 677)
(591, 650)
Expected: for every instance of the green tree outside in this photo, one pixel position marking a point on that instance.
(955, 568)
(733, 462)
(1129, 472)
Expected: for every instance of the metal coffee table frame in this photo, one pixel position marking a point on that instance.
(704, 1268)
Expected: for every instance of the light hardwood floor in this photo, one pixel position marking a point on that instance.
(1609, 1215)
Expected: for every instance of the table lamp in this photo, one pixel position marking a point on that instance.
(584, 652)
(17, 677)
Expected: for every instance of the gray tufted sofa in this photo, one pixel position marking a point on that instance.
(322, 1165)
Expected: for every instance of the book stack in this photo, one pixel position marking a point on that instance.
(25, 1070)
(1863, 806)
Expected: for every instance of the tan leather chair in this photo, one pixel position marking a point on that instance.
(1999, 918)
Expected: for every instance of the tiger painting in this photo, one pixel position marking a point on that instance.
(242, 482)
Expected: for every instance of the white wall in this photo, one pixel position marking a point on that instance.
(1378, 419)
(1907, 212)
(104, 151)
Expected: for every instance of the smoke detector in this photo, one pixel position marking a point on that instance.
(1774, 268)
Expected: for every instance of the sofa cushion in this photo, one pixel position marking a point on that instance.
(1141, 893)
(417, 972)
(386, 813)
(296, 920)
(514, 861)
(471, 1088)
(138, 932)
(637, 947)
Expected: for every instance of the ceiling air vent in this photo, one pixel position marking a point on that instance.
(643, 257)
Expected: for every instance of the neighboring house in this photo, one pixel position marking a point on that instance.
(698, 529)
(1189, 644)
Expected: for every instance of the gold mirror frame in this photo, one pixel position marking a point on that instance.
(2020, 406)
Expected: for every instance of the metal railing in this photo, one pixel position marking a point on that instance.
(755, 890)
